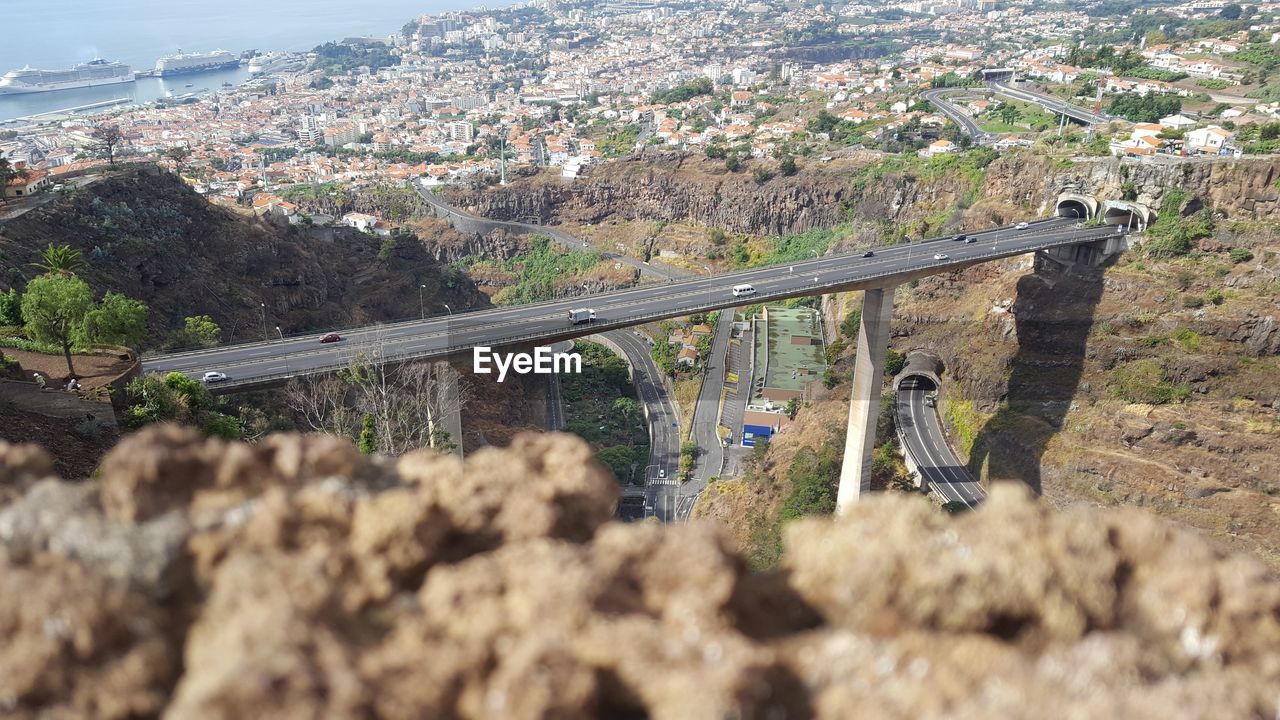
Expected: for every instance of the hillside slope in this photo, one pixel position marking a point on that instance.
(146, 234)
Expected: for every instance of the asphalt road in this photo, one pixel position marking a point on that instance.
(262, 363)
(664, 424)
(664, 429)
(921, 431)
(955, 115)
(1051, 103)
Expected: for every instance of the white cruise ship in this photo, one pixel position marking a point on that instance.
(90, 74)
(195, 62)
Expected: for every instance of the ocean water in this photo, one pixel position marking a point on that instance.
(56, 35)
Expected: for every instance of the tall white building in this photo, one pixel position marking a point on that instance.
(460, 130)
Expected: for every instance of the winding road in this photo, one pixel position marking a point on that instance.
(921, 432)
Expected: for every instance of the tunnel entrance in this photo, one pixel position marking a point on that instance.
(917, 382)
(1072, 209)
(1121, 216)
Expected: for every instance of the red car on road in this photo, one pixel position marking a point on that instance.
(331, 337)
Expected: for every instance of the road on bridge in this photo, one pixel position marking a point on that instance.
(921, 433)
(1050, 103)
(264, 363)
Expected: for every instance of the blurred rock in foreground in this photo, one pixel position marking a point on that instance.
(297, 578)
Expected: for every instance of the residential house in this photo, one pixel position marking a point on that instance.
(940, 147)
(32, 183)
(1177, 122)
(1212, 139)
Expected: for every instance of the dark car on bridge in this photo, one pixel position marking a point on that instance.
(331, 338)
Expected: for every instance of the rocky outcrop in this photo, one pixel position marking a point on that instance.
(690, 190)
(154, 239)
(325, 583)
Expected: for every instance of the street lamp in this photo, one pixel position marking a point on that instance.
(422, 304)
(263, 307)
(280, 333)
(446, 307)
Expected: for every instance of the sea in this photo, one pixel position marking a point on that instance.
(58, 35)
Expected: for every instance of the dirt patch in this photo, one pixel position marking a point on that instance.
(93, 371)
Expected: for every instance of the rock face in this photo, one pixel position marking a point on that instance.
(322, 583)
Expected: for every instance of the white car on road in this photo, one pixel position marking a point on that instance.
(940, 256)
(1021, 226)
(213, 377)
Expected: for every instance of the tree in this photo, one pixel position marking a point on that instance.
(117, 320)
(10, 308)
(178, 155)
(894, 361)
(108, 139)
(54, 306)
(60, 260)
(1231, 11)
(788, 166)
(197, 332)
(1008, 114)
(391, 407)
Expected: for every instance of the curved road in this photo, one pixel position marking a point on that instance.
(955, 114)
(921, 432)
(664, 423)
(663, 419)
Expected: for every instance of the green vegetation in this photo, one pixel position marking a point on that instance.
(175, 397)
(851, 324)
(813, 475)
(1172, 235)
(1189, 340)
(54, 307)
(1240, 255)
(537, 273)
(684, 92)
(600, 407)
(10, 308)
(619, 143)
(339, 59)
(116, 320)
(894, 362)
(1136, 108)
(791, 248)
(1146, 381)
(60, 260)
(197, 332)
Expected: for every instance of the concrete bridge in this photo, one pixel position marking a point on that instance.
(878, 272)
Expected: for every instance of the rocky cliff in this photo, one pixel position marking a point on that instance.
(297, 578)
(868, 188)
(144, 233)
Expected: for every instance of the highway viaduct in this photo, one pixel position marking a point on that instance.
(877, 272)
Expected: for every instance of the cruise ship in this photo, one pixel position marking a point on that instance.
(195, 62)
(90, 74)
(272, 61)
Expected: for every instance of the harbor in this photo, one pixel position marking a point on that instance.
(147, 87)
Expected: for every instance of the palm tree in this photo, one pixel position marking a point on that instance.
(60, 260)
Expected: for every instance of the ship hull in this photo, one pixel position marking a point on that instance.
(69, 85)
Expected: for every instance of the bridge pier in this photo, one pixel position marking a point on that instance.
(864, 406)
